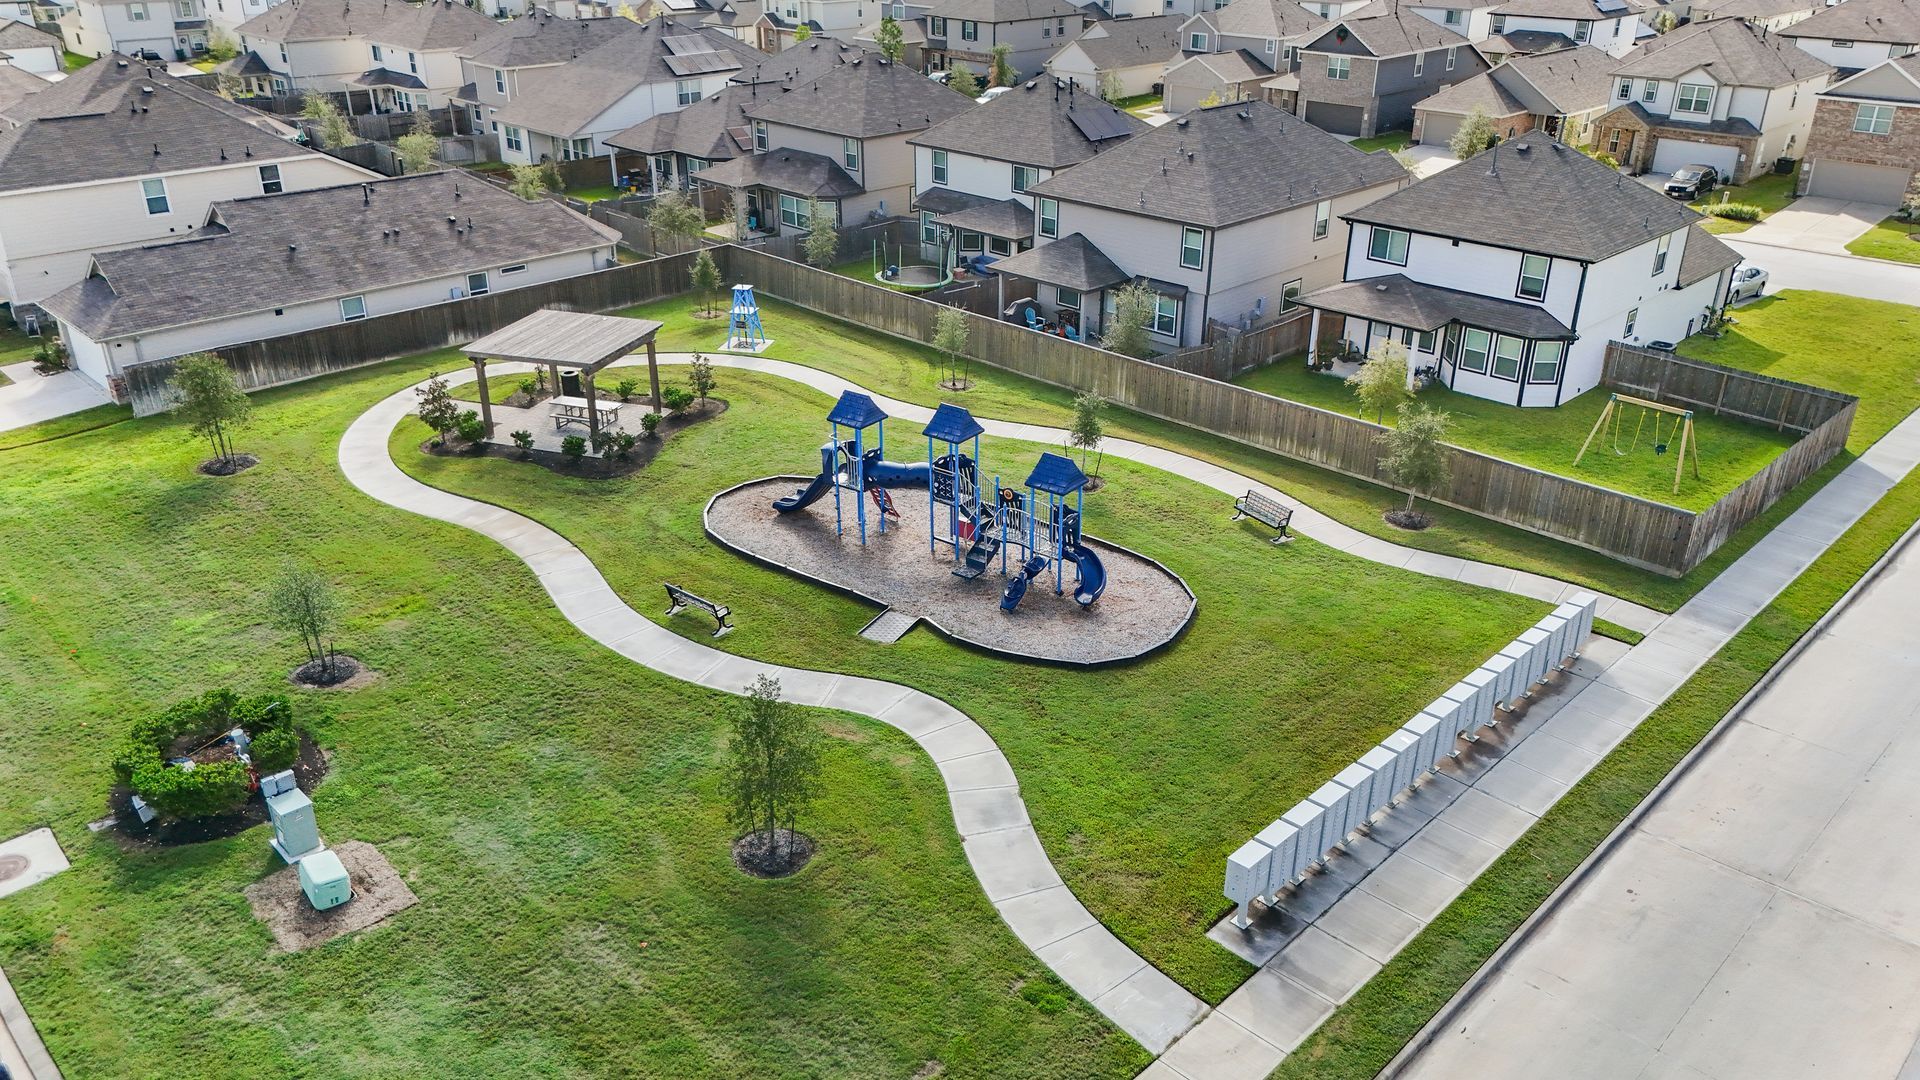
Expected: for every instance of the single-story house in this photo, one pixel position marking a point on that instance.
(1125, 56)
(1561, 93)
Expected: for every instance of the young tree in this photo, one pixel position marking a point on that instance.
(1416, 450)
(210, 400)
(1126, 334)
(334, 130)
(705, 276)
(222, 46)
(419, 146)
(1213, 98)
(1381, 382)
(775, 766)
(1001, 67)
(1111, 88)
(802, 33)
(302, 601)
(963, 81)
(228, 85)
(823, 240)
(1474, 135)
(700, 377)
(438, 409)
(675, 217)
(1089, 428)
(890, 39)
(626, 11)
(530, 182)
(950, 332)
(1664, 22)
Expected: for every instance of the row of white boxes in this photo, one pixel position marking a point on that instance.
(1284, 851)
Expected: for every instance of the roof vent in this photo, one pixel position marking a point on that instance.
(1182, 122)
(1379, 288)
(120, 63)
(451, 220)
(1521, 148)
(146, 89)
(1245, 114)
(156, 149)
(291, 248)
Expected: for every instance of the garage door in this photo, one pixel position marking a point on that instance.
(1437, 128)
(1339, 119)
(1859, 183)
(1671, 154)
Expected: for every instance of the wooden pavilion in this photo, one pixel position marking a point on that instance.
(558, 339)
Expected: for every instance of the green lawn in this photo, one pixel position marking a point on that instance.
(1548, 439)
(14, 345)
(1362, 1035)
(74, 61)
(556, 808)
(601, 193)
(1391, 140)
(1869, 348)
(1769, 191)
(1139, 104)
(1891, 239)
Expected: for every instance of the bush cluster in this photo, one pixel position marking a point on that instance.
(1736, 211)
(205, 790)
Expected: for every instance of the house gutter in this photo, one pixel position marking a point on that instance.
(1560, 384)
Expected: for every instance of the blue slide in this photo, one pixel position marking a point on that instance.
(807, 496)
(1018, 583)
(879, 474)
(1093, 574)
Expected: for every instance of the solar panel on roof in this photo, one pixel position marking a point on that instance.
(686, 43)
(700, 63)
(1098, 124)
(1610, 7)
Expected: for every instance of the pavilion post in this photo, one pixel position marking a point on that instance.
(1313, 337)
(486, 401)
(593, 405)
(653, 376)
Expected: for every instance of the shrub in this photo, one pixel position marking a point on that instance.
(211, 788)
(601, 441)
(470, 427)
(530, 387)
(574, 447)
(1735, 211)
(676, 399)
(523, 440)
(276, 750)
(625, 388)
(650, 424)
(623, 444)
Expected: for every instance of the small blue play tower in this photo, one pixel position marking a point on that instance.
(952, 485)
(743, 328)
(857, 413)
(1057, 536)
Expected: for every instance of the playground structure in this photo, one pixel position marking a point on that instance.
(1049, 539)
(1681, 428)
(847, 464)
(744, 332)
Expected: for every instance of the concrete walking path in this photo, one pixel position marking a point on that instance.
(1328, 939)
(991, 818)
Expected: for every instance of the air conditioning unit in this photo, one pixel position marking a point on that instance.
(456, 293)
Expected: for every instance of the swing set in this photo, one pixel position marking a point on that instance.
(1664, 434)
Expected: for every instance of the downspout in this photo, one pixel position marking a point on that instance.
(1560, 381)
(1206, 298)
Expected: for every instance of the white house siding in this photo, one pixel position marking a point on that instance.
(886, 168)
(227, 15)
(47, 236)
(1786, 120)
(641, 103)
(264, 324)
(96, 29)
(1861, 54)
(1072, 64)
(1475, 22)
(39, 61)
(989, 178)
(1615, 37)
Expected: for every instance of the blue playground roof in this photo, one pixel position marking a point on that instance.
(953, 424)
(856, 411)
(1056, 475)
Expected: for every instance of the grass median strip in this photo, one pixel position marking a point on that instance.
(1362, 1035)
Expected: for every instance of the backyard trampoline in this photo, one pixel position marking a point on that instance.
(914, 277)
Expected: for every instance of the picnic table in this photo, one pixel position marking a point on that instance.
(573, 410)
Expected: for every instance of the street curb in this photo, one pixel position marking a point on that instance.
(1743, 239)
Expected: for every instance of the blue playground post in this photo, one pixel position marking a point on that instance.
(856, 412)
(743, 327)
(951, 427)
(1057, 478)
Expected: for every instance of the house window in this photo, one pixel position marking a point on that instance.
(1873, 119)
(1166, 315)
(1388, 246)
(402, 101)
(696, 165)
(1322, 218)
(155, 191)
(1424, 342)
(512, 136)
(1632, 318)
(969, 30)
(477, 283)
(413, 63)
(1024, 177)
(1546, 361)
(516, 268)
(929, 232)
(1660, 253)
(499, 82)
(1474, 348)
(686, 91)
(1651, 91)
(850, 154)
(1273, 46)
(969, 241)
(377, 57)
(353, 309)
(997, 246)
(1626, 89)
(1197, 42)
(936, 27)
(793, 212)
(1616, 27)
(760, 135)
(1192, 248)
(939, 166)
(1450, 57)
(270, 180)
(1290, 294)
(1339, 67)
(577, 149)
(1066, 298)
(1499, 24)
(1842, 44)
(185, 7)
(137, 12)
(1506, 356)
(1049, 218)
(1583, 29)
(283, 53)
(1533, 276)
(1419, 64)
(1694, 98)
(1452, 17)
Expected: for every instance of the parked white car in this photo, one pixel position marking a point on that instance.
(1748, 283)
(993, 93)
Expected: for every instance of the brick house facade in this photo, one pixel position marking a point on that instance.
(1836, 141)
(1629, 135)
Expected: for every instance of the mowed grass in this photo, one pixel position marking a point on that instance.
(1769, 192)
(1548, 439)
(1868, 348)
(1891, 239)
(1141, 780)
(1390, 140)
(558, 810)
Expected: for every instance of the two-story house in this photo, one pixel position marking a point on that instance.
(972, 173)
(1865, 143)
(1509, 273)
(1365, 72)
(1769, 15)
(1859, 34)
(1103, 10)
(1120, 58)
(394, 56)
(1612, 26)
(841, 139)
(566, 112)
(28, 48)
(118, 154)
(965, 32)
(1232, 53)
(1722, 93)
(167, 29)
(1227, 214)
(495, 69)
(1561, 93)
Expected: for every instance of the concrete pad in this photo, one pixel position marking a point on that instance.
(1673, 656)
(1160, 1070)
(1531, 791)
(1041, 918)
(29, 859)
(1269, 930)
(1419, 805)
(982, 810)
(977, 771)
(920, 715)
(1370, 924)
(1491, 577)
(1433, 565)
(1540, 588)
(1459, 855)
(1597, 654)
(1414, 887)
(1846, 709)
(1092, 961)
(1356, 858)
(1277, 1009)
(1220, 1049)
(33, 398)
(1480, 814)
(957, 741)
(1587, 730)
(1513, 1029)
(870, 697)
(1010, 863)
(1325, 965)
(1152, 1008)
(1614, 705)
(1649, 684)
(1547, 755)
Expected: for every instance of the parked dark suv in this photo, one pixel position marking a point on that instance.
(1692, 181)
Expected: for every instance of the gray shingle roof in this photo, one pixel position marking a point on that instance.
(1734, 51)
(802, 62)
(541, 38)
(1001, 11)
(1526, 41)
(700, 130)
(100, 122)
(1566, 82)
(1401, 301)
(1704, 256)
(1072, 261)
(1732, 125)
(1863, 20)
(795, 172)
(1265, 19)
(1565, 9)
(1005, 218)
(1483, 92)
(1125, 43)
(1385, 29)
(1867, 84)
(1752, 9)
(427, 26)
(865, 99)
(1226, 164)
(1043, 122)
(18, 35)
(276, 250)
(564, 100)
(1546, 199)
(1237, 66)
(247, 63)
(16, 84)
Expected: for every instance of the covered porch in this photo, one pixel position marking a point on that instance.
(388, 91)
(1063, 287)
(573, 343)
(780, 185)
(968, 226)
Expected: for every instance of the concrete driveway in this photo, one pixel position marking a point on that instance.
(33, 397)
(1813, 223)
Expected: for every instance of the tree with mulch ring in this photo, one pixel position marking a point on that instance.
(1416, 460)
(185, 763)
(302, 600)
(773, 764)
(950, 333)
(209, 399)
(616, 463)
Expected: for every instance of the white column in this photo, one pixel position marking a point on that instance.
(1313, 336)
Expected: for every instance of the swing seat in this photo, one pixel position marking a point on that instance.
(1660, 448)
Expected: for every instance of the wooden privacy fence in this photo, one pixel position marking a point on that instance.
(1231, 352)
(305, 355)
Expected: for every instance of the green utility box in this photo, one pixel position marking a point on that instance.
(324, 879)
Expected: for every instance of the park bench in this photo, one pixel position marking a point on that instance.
(1267, 511)
(681, 598)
